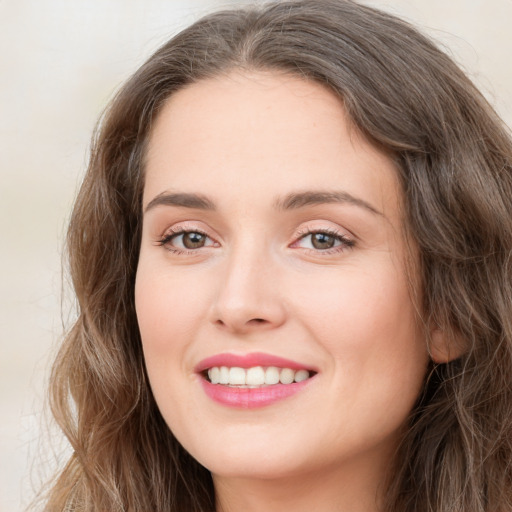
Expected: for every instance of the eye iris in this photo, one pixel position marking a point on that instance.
(322, 241)
(193, 240)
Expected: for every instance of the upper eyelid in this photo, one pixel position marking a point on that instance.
(310, 231)
(179, 230)
(344, 239)
(185, 227)
(165, 241)
(304, 229)
(333, 229)
(171, 233)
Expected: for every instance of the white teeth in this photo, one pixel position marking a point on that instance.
(214, 374)
(301, 375)
(255, 376)
(272, 375)
(224, 375)
(236, 376)
(286, 376)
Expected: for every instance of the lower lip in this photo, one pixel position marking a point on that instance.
(250, 398)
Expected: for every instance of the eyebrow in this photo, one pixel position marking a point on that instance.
(298, 200)
(197, 201)
(293, 201)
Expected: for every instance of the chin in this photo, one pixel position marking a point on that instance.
(263, 456)
(262, 467)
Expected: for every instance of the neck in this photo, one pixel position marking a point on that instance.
(354, 489)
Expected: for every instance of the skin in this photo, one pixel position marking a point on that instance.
(258, 284)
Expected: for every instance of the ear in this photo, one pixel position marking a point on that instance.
(445, 347)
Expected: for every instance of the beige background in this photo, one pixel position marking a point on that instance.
(60, 62)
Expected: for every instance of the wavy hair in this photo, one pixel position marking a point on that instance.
(454, 160)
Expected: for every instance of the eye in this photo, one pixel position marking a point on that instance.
(323, 241)
(184, 240)
(191, 240)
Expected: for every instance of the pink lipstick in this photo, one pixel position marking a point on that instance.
(252, 380)
(249, 360)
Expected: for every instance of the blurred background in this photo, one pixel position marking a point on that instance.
(60, 62)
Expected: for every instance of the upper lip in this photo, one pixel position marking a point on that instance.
(248, 361)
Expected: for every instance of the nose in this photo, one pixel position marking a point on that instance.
(248, 294)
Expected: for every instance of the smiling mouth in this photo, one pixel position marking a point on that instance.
(256, 376)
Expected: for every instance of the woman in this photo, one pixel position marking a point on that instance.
(291, 254)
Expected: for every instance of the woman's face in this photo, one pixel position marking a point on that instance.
(272, 250)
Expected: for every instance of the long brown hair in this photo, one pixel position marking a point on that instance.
(454, 160)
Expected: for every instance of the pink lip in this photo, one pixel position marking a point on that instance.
(248, 398)
(248, 361)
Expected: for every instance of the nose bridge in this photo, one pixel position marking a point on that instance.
(247, 295)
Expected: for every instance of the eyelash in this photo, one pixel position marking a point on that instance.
(174, 233)
(345, 242)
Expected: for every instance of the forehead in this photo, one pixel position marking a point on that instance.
(244, 133)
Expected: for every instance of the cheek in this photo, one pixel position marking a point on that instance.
(168, 311)
(357, 306)
(378, 354)
(367, 324)
(152, 305)
(168, 305)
